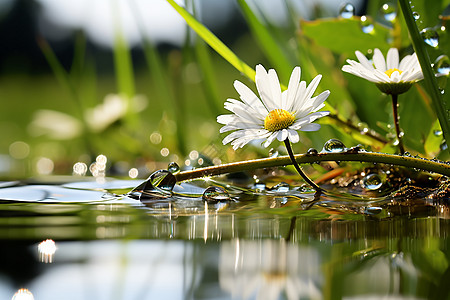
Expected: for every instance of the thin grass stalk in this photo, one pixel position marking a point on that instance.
(441, 106)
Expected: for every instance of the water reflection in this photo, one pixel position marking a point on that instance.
(46, 251)
(267, 269)
(23, 294)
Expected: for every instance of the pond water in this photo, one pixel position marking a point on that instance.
(261, 241)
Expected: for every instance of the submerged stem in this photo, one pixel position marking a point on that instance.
(298, 168)
(397, 123)
(406, 161)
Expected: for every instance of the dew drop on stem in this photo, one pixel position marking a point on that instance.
(333, 146)
(173, 168)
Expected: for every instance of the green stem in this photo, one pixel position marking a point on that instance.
(298, 168)
(441, 107)
(406, 161)
(396, 122)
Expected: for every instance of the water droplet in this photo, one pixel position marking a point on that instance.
(163, 180)
(214, 194)
(389, 12)
(159, 185)
(373, 210)
(442, 65)
(430, 36)
(273, 153)
(312, 151)
(416, 15)
(282, 187)
(173, 168)
(347, 11)
(444, 145)
(333, 146)
(437, 132)
(260, 186)
(366, 24)
(372, 182)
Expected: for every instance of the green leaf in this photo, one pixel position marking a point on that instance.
(213, 41)
(344, 36)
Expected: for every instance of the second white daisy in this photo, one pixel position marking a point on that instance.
(276, 114)
(391, 75)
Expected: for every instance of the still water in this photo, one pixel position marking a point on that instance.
(90, 240)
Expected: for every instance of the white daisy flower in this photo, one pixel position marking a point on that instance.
(390, 75)
(276, 115)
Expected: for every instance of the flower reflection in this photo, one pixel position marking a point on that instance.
(47, 250)
(23, 294)
(264, 269)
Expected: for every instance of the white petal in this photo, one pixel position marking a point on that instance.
(310, 127)
(293, 136)
(270, 139)
(312, 86)
(264, 86)
(363, 60)
(392, 59)
(319, 100)
(282, 135)
(247, 95)
(292, 90)
(378, 60)
(275, 87)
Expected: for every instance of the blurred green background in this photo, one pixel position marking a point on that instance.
(129, 80)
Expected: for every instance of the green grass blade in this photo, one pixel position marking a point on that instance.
(209, 85)
(440, 105)
(267, 42)
(123, 66)
(213, 41)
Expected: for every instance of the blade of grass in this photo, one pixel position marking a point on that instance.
(214, 42)
(204, 61)
(440, 105)
(65, 81)
(267, 42)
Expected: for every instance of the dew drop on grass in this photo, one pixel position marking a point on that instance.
(173, 168)
(442, 65)
(430, 36)
(416, 16)
(372, 182)
(347, 11)
(333, 146)
(214, 194)
(388, 12)
(437, 132)
(366, 24)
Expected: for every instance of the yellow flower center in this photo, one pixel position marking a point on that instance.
(278, 119)
(390, 71)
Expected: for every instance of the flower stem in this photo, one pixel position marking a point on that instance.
(349, 155)
(396, 122)
(287, 143)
